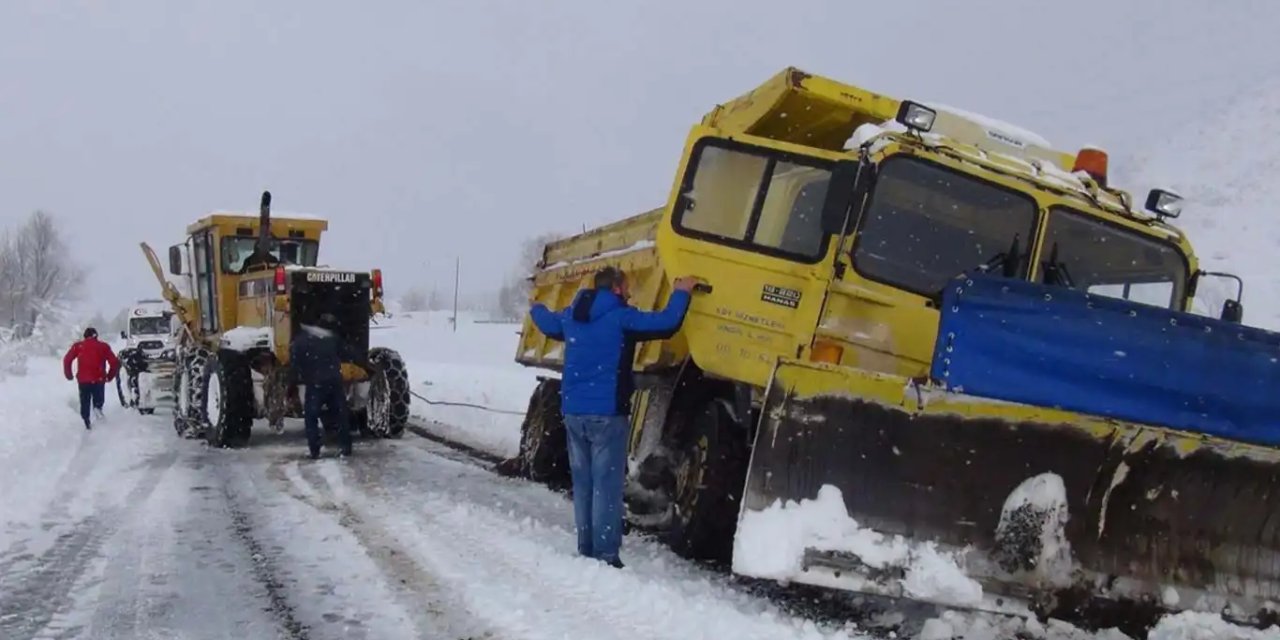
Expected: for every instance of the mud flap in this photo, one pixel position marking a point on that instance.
(1035, 503)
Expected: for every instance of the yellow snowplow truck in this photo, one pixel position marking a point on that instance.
(248, 285)
(936, 358)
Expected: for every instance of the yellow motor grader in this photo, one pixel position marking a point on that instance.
(248, 285)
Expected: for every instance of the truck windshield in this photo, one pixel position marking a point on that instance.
(1088, 254)
(237, 249)
(154, 325)
(926, 224)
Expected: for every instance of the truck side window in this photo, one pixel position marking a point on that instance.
(755, 199)
(926, 224)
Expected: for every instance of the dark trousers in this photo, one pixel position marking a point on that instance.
(326, 400)
(91, 392)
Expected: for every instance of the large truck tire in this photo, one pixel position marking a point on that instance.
(710, 473)
(387, 413)
(544, 446)
(188, 394)
(227, 405)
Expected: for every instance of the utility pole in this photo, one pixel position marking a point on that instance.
(457, 271)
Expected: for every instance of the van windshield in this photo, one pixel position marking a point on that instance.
(154, 325)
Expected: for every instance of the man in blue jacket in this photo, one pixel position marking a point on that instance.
(600, 331)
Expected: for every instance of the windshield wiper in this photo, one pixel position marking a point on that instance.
(1008, 261)
(1055, 271)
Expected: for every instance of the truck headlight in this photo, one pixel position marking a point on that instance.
(1163, 203)
(914, 115)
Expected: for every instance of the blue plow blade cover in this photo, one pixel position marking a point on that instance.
(1055, 347)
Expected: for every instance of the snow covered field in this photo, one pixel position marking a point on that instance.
(129, 532)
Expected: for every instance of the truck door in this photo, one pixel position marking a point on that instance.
(203, 262)
(920, 223)
(747, 217)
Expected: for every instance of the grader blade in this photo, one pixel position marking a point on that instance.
(877, 483)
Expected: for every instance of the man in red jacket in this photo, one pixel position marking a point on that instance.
(98, 365)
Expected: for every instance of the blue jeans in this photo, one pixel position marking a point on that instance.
(598, 463)
(331, 397)
(90, 393)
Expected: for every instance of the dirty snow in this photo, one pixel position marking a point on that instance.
(771, 544)
(1040, 503)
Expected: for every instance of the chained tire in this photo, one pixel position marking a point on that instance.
(227, 404)
(387, 412)
(188, 394)
(544, 447)
(709, 478)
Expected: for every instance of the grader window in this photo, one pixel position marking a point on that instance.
(756, 199)
(1082, 252)
(926, 224)
(237, 249)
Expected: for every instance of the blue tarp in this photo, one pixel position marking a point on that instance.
(1051, 346)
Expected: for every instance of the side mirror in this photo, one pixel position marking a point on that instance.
(123, 336)
(1232, 308)
(1233, 311)
(175, 260)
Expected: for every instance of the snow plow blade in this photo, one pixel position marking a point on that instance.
(877, 483)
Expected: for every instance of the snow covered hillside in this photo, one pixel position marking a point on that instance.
(474, 365)
(1228, 167)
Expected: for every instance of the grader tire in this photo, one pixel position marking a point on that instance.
(188, 393)
(227, 406)
(388, 410)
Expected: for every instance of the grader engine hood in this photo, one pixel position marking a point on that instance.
(1032, 471)
(345, 295)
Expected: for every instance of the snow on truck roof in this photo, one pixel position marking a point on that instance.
(291, 215)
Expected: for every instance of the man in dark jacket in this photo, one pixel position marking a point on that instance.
(600, 331)
(315, 361)
(96, 365)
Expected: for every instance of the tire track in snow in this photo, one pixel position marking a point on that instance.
(435, 612)
(35, 596)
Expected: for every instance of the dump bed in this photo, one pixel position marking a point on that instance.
(569, 264)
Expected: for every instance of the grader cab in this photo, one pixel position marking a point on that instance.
(249, 285)
(1058, 441)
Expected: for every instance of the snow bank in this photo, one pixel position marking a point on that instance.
(474, 365)
(1204, 626)
(771, 544)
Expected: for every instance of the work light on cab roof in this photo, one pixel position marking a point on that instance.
(1164, 203)
(916, 116)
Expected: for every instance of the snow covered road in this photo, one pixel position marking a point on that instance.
(130, 532)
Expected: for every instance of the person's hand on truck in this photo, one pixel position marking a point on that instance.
(689, 283)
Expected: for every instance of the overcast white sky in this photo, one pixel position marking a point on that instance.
(425, 130)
